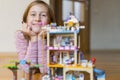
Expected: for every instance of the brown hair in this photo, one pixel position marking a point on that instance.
(50, 11)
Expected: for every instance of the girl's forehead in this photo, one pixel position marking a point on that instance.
(39, 8)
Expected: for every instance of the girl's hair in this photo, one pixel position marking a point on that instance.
(50, 11)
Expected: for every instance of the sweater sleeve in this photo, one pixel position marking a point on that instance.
(32, 52)
(26, 50)
(21, 44)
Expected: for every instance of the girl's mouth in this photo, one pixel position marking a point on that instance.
(40, 24)
(37, 24)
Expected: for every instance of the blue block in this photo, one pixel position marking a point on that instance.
(99, 73)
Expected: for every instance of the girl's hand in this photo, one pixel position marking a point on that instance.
(28, 30)
(42, 34)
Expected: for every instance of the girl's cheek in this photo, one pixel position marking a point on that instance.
(29, 22)
(44, 23)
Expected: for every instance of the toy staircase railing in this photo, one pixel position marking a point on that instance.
(43, 36)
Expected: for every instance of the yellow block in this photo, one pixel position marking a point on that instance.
(70, 23)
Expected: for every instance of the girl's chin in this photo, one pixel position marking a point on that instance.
(36, 29)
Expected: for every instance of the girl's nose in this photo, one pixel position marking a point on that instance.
(37, 18)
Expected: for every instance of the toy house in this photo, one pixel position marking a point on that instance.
(63, 53)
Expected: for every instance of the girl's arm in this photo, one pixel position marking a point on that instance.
(21, 44)
(26, 49)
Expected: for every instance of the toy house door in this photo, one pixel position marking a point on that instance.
(81, 9)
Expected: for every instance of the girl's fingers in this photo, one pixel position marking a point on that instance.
(24, 27)
(27, 29)
(30, 31)
(43, 32)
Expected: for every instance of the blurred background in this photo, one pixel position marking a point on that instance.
(100, 17)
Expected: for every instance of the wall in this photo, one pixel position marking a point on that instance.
(105, 25)
(10, 20)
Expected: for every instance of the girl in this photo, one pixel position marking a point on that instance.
(29, 40)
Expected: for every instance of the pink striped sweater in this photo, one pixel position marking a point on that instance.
(31, 51)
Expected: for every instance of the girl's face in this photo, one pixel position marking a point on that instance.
(37, 17)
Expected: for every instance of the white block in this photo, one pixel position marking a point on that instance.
(22, 79)
(100, 78)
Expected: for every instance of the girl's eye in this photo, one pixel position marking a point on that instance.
(43, 15)
(32, 14)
